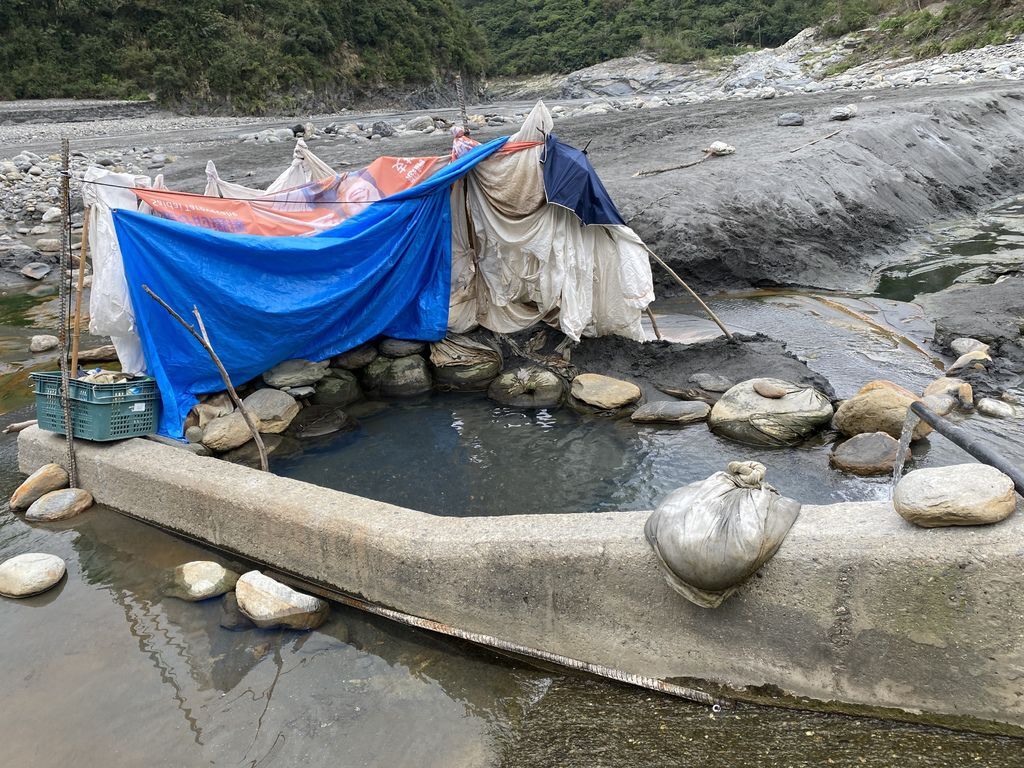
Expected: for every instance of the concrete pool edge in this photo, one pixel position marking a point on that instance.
(858, 610)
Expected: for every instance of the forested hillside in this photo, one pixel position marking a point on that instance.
(246, 55)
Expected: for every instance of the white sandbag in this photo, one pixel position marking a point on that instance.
(712, 535)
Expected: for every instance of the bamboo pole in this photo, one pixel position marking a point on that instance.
(820, 138)
(654, 323)
(690, 290)
(77, 329)
(204, 340)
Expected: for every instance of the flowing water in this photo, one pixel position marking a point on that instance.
(106, 671)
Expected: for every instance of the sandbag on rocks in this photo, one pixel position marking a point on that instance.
(770, 412)
(463, 364)
(712, 535)
(527, 387)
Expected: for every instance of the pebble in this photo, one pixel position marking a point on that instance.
(961, 494)
(59, 505)
(49, 477)
(269, 603)
(29, 574)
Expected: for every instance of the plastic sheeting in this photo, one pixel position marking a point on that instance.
(268, 299)
(305, 167)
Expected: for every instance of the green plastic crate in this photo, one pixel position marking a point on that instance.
(99, 412)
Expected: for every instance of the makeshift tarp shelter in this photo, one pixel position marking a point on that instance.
(480, 240)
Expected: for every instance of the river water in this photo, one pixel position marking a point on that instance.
(106, 671)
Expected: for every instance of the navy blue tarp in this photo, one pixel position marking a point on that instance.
(571, 181)
(264, 299)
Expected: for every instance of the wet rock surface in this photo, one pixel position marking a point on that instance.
(49, 477)
(527, 387)
(295, 373)
(340, 388)
(29, 574)
(962, 494)
(269, 603)
(201, 580)
(879, 406)
(671, 412)
(59, 505)
(604, 392)
(866, 454)
(405, 377)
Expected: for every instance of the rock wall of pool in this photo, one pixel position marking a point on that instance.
(859, 610)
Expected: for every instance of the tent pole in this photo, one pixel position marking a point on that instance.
(700, 301)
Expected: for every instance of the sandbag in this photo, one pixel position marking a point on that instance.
(712, 535)
(770, 412)
(463, 364)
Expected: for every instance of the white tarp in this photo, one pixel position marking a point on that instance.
(305, 167)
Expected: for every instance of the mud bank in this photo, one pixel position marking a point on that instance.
(823, 216)
(858, 610)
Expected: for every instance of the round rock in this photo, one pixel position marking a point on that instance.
(269, 603)
(43, 343)
(49, 477)
(338, 389)
(271, 409)
(201, 580)
(671, 412)
(867, 454)
(59, 505)
(962, 494)
(604, 392)
(405, 377)
(996, 409)
(29, 574)
(879, 406)
(320, 420)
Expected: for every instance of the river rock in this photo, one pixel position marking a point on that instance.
(790, 119)
(604, 392)
(36, 270)
(956, 388)
(962, 494)
(357, 358)
(318, 420)
(747, 416)
(527, 387)
(941, 405)
(879, 406)
(406, 376)
(49, 477)
(48, 245)
(271, 409)
(295, 373)
(43, 343)
(843, 113)
(59, 505)
(338, 389)
(996, 409)
(866, 454)
(712, 382)
(51, 214)
(963, 345)
(226, 432)
(382, 128)
(231, 617)
(269, 603)
(201, 580)
(29, 574)
(402, 348)
(969, 360)
(671, 412)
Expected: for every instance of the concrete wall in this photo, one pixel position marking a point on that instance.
(857, 608)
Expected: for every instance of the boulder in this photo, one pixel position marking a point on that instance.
(200, 580)
(29, 574)
(49, 477)
(231, 617)
(269, 603)
(671, 412)
(319, 420)
(357, 358)
(790, 119)
(43, 343)
(527, 387)
(338, 389)
(604, 392)
(382, 128)
(271, 409)
(406, 376)
(419, 123)
(59, 505)
(226, 432)
(962, 494)
(402, 348)
(295, 373)
(866, 454)
(749, 417)
(879, 406)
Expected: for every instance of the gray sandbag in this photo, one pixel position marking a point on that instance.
(463, 364)
(770, 412)
(712, 535)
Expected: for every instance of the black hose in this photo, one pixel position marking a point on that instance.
(973, 445)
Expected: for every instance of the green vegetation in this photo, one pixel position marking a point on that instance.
(241, 55)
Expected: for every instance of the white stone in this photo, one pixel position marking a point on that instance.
(962, 494)
(43, 343)
(29, 574)
(200, 580)
(59, 505)
(270, 603)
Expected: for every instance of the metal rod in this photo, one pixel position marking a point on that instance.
(65, 309)
(973, 445)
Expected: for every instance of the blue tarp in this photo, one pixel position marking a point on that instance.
(385, 271)
(571, 181)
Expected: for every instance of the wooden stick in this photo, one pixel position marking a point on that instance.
(18, 426)
(655, 171)
(700, 301)
(654, 323)
(205, 342)
(809, 143)
(77, 329)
